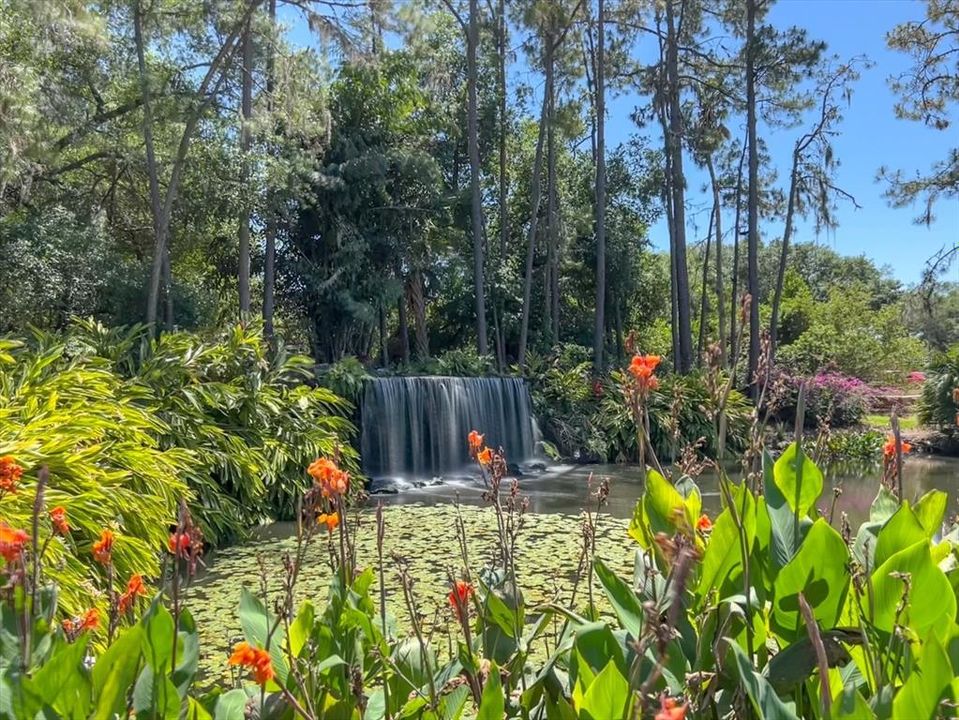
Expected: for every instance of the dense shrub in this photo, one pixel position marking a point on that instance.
(101, 441)
(463, 363)
(937, 406)
(251, 420)
(831, 397)
(345, 378)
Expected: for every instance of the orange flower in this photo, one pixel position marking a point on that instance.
(103, 548)
(889, 449)
(331, 480)
(12, 542)
(10, 473)
(179, 544)
(485, 456)
(460, 594)
(256, 659)
(90, 620)
(331, 520)
(475, 441)
(135, 589)
(642, 368)
(704, 524)
(58, 516)
(669, 709)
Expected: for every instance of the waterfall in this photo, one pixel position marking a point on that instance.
(417, 426)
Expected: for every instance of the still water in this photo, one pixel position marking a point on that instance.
(566, 488)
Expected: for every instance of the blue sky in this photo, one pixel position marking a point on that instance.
(871, 136)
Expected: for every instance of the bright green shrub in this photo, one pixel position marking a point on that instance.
(251, 421)
(99, 438)
(345, 378)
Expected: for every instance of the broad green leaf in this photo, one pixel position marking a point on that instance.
(63, 682)
(115, 672)
(932, 602)
(883, 506)
(188, 653)
(765, 702)
(900, 531)
(665, 508)
(155, 696)
(301, 627)
(158, 637)
(493, 703)
(926, 686)
(258, 624)
(849, 704)
(231, 706)
(818, 571)
(930, 510)
(606, 697)
(625, 604)
(798, 479)
(594, 646)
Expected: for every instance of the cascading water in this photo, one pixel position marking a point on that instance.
(417, 426)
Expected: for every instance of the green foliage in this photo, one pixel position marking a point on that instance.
(102, 442)
(846, 334)
(345, 378)
(463, 363)
(936, 404)
(250, 420)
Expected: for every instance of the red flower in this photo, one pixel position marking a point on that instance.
(485, 456)
(256, 659)
(103, 548)
(642, 368)
(669, 709)
(135, 589)
(90, 620)
(889, 449)
(179, 544)
(58, 516)
(10, 473)
(475, 441)
(12, 542)
(460, 594)
(331, 480)
(704, 524)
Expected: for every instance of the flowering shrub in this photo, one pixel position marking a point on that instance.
(831, 397)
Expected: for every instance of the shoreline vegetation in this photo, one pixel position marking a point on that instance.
(403, 632)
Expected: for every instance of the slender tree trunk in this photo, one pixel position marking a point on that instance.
(704, 295)
(679, 194)
(418, 302)
(618, 319)
(246, 109)
(476, 215)
(404, 329)
(269, 231)
(384, 340)
(599, 326)
(549, 267)
(736, 235)
(783, 256)
(159, 239)
(503, 177)
(168, 289)
(753, 200)
(720, 284)
(536, 194)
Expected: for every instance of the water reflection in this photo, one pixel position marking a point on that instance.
(565, 488)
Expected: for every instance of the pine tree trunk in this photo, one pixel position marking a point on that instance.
(752, 251)
(550, 266)
(168, 289)
(269, 231)
(599, 326)
(783, 256)
(733, 314)
(476, 214)
(246, 109)
(720, 283)
(536, 194)
(704, 295)
(683, 309)
(404, 329)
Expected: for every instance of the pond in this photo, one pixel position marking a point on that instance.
(420, 528)
(563, 488)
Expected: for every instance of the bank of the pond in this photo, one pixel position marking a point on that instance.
(548, 553)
